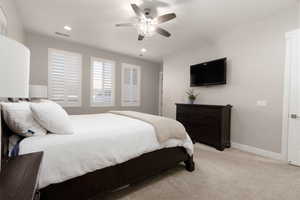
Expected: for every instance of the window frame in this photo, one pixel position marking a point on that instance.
(66, 104)
(138, 68)
(95, 104)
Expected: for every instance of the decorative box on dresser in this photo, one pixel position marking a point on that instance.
(207, 124)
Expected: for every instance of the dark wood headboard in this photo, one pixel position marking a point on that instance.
(5, 134)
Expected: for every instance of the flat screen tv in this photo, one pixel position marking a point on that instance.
(209, 73)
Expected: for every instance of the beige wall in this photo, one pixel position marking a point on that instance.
(256, 59)
(15, 27)
(39, 72)
(299, 14)
(176, 75)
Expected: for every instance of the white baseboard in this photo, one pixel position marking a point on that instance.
(261, 152)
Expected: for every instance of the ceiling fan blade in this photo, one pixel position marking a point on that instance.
(125, 25)
(137, 10)
(163, 32)
(165, 18)
(141, 37)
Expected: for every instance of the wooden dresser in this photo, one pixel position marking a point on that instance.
(207, 124)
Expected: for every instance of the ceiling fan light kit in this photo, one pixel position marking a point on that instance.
(147, 26)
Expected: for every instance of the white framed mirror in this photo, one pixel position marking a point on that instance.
(3, 22)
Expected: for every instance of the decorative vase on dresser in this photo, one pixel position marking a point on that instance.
(207, 124)
(191, 101)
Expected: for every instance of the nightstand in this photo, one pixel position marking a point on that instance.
(19, 176)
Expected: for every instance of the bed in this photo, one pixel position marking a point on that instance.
(106, 152)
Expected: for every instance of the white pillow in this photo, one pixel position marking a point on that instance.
(52, 117)
(19, 119)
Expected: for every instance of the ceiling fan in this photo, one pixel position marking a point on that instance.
(146, 25)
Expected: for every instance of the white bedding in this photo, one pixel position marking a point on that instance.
(100, 141)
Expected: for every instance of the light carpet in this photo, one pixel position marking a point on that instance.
(228, 175)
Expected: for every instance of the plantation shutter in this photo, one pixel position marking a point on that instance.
(102, 74)
(130, 85)
(64, 77)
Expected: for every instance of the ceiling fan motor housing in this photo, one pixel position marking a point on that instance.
(147, 12)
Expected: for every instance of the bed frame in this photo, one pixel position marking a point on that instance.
(110, 178)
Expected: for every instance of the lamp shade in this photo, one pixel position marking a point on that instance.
(14, 69)
(38, 91)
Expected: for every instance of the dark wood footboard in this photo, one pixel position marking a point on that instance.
(110, 178)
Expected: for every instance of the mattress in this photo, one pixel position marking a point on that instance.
(99, 141)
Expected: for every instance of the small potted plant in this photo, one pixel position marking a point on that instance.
(192, 96)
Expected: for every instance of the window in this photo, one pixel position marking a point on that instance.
(131, 78)
(64, 77)
(102, 82)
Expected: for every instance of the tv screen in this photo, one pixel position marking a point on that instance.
(209, 73)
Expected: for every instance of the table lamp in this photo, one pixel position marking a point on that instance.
(37, 92)
(14, 72)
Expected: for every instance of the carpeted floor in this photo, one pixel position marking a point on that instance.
(228, 175)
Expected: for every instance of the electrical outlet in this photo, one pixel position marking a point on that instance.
(262, 103)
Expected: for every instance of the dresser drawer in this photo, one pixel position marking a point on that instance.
(197, 114)
(206, 132)
(199, 120)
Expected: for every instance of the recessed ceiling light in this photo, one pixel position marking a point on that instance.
(68, 28)
(143, 50)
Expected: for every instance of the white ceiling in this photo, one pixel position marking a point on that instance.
(93, 21)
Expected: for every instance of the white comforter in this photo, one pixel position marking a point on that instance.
(100, 141)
